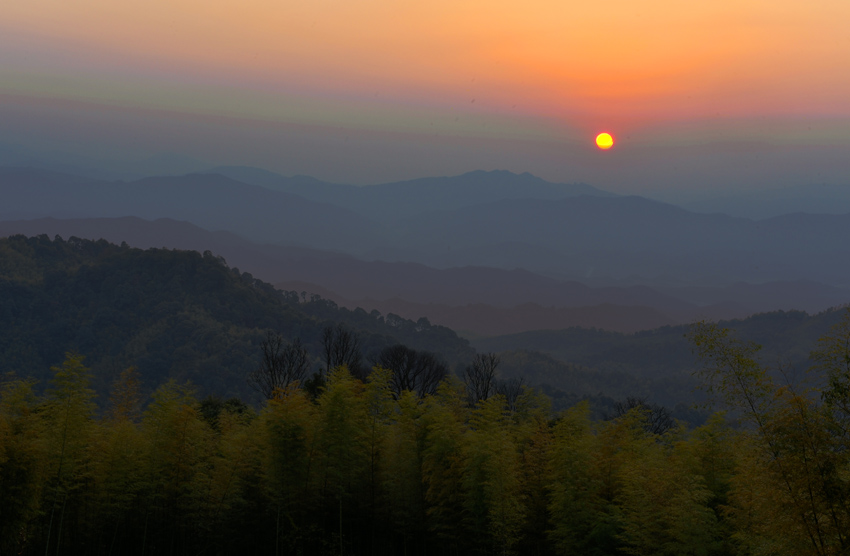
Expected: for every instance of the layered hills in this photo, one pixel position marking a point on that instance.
(486, 252)
(658, 364)
(174, 314)
(816, 198)
(184, 315)
(400, 200)
(523, 222)
(476, 300)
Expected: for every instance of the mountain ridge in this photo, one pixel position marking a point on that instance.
(600, 240)
(398, 200)
(432, 292)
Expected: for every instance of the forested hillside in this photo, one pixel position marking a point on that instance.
(173, 314)
(113, 452)
(476, 300)
(657, 365)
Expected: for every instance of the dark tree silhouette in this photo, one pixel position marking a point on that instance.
(417, 371)
(341, 347)
(658, 420)
(511, 390)
(283, 363)
(212, 407)
(480, 377)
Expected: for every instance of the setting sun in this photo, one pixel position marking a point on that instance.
(604, 141)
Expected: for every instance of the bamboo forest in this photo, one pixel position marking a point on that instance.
(357, 466)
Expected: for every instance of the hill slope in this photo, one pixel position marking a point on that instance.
(174, 314)
(787, 338)
(483, 301)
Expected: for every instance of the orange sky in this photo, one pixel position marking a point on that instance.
(540, 70)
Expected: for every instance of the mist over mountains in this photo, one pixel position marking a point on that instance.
(486, 252)
(211, 201)
(400, 200)
(819, 198)
(474, 299)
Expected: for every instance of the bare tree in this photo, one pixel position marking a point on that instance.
(341, 347)
(283, 363)
(657, 418)
(417, 371)
(511, 389)
(480, 377)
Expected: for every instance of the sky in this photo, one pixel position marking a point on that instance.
(699, 95)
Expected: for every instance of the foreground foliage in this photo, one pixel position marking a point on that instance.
(384, 463)
(362, 469)
(790, 492)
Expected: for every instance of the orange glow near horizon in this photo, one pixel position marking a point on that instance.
(661, 60)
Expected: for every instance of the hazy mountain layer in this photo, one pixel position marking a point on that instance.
(787, 338)
(768, 203)
(400, 200)
(480, 319)
(213, 202)
(479, 301)
(631, 239)
(590, 238)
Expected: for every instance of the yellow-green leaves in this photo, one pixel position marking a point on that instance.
(791, 486)
(22, 458)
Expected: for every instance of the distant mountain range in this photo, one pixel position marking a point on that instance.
(659, 364)
(767, 203)
(479, 301)
(786, 337)
(213, 202)
(401, 200)
(478, 249)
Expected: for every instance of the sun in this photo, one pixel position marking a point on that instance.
(604, 141)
